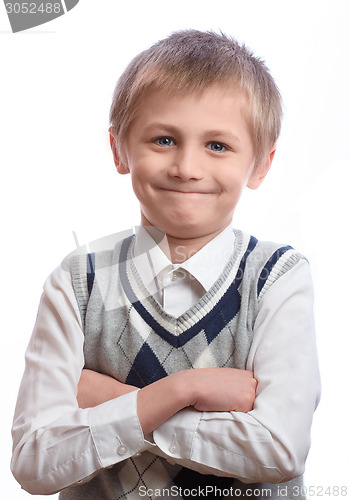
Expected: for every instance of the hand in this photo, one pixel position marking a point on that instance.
(96, 388)
(222, 389)
(206, 389)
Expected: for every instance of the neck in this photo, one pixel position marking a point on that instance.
(178, 249)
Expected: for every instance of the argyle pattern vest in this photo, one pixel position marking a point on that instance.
(130, 337)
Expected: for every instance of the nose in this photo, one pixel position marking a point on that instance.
(186, 165)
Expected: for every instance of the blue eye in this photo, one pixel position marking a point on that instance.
(216, 147)
(164, 141)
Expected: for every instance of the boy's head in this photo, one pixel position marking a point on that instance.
(187, 63)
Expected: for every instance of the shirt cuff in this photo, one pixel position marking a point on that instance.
(175, 436)
(181, 441)
(116, 431)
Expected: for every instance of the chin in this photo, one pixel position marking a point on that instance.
(187, 232)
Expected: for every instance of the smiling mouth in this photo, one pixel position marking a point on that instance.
(179, 191)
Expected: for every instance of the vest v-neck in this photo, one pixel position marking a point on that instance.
(222, 300)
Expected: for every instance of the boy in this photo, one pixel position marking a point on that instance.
(142, 372)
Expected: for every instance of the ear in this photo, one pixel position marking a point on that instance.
(260, 172)
(121, 166)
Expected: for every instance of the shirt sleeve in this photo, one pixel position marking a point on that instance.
(271, 442)
(55, 443)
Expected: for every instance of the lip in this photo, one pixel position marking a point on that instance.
(180, 191)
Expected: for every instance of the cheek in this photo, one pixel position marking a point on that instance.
(232, 180)
(138, 187)
(141, 181)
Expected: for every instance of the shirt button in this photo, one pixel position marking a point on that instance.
(122, 449)
(173, 448)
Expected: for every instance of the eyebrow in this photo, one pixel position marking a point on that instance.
(162, 126)
(223, 133)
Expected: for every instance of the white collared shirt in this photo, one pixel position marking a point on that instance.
(177, 287)
(57, 444)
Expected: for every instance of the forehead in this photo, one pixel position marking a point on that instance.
(215, 105)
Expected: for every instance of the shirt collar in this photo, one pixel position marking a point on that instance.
(206, 265)
(148, 257)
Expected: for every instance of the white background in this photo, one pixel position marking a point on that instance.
(57, 174)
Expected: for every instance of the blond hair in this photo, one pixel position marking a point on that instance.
(190, 61)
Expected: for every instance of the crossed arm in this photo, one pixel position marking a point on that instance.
(205, 389)
(269, 443)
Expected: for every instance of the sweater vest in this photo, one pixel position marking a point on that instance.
(131, 338)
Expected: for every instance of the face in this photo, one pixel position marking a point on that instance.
(189, 159)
